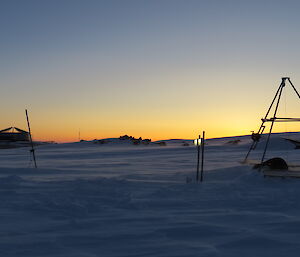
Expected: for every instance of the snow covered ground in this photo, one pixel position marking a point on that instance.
(118, 199)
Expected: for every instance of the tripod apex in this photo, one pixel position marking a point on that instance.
(284, 78)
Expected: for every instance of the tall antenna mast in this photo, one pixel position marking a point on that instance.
(32, 151)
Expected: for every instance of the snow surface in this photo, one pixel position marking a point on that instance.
(118, 199)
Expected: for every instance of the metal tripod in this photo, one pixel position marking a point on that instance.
(256, 136)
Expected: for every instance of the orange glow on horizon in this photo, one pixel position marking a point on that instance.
(159, 114)
(154, 137)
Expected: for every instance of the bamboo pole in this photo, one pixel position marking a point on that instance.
(198, 159)
(30, 138)
(202, 155)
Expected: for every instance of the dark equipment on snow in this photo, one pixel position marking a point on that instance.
(273, 164)
(255, 137)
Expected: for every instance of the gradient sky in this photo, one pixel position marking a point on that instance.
(156, 69)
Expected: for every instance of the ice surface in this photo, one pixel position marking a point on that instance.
(117, 199)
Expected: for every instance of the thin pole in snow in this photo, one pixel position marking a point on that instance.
(202, 155)
(30, 138)
(198, 159)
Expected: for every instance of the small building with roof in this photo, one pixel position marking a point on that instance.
(14, 134)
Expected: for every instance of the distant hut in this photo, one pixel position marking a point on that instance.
(13, 134)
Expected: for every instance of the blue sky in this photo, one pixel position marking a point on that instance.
(153, 68)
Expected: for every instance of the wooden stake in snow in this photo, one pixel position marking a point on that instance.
(202, 155)
(30, 138)
(198, 159)
(200, 148)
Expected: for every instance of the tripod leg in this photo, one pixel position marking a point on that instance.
(254, 143)
(293, 87)
(275, 112)
(281, 85)
(252, 147)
